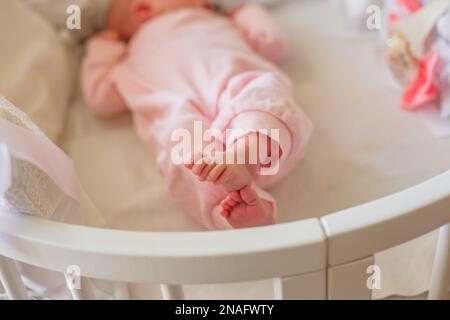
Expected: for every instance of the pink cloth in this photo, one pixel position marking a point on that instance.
(193, 65)
(423, 90)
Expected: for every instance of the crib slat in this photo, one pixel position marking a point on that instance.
(172, 292)
(440, 279)
(85, 290)
(12, 281)
(349, 281)
(311, 286)
(122, 291)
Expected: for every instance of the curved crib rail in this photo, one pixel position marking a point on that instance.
(171, 258)
(382, 224)
(285, 250)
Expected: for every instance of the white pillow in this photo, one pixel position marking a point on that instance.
(37, 70)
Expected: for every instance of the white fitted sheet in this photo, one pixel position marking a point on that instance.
(364, 147)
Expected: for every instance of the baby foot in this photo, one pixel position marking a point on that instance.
(245, 209)
(225, 169)
(231, 176)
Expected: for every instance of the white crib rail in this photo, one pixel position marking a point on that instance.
(298, 254)
(169, 258)
(356, 234)
(376, 226)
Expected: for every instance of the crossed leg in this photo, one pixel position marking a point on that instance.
(243, 207)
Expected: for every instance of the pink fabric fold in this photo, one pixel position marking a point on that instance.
(44, 154)
(423, 90)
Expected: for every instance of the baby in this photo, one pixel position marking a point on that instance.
(184, 65)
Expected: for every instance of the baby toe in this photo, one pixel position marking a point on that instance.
(249, 195)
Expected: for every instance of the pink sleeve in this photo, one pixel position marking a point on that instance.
(266, 123)
(262, 32)
(97, 83)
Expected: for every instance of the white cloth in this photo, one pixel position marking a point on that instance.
(34, 187)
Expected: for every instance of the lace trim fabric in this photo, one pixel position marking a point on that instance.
(32, 191)
(12, 114)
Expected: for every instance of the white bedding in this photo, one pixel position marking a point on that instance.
(364, 148)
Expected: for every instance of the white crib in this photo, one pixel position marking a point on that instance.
(326, 258)
(311, 259)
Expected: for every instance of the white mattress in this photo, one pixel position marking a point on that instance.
(364, 148)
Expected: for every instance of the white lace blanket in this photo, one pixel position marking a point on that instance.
(42, 179)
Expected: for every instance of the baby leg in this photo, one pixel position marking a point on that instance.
(256, 107)
(249, 207)
(201, 200)
(265, 133)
